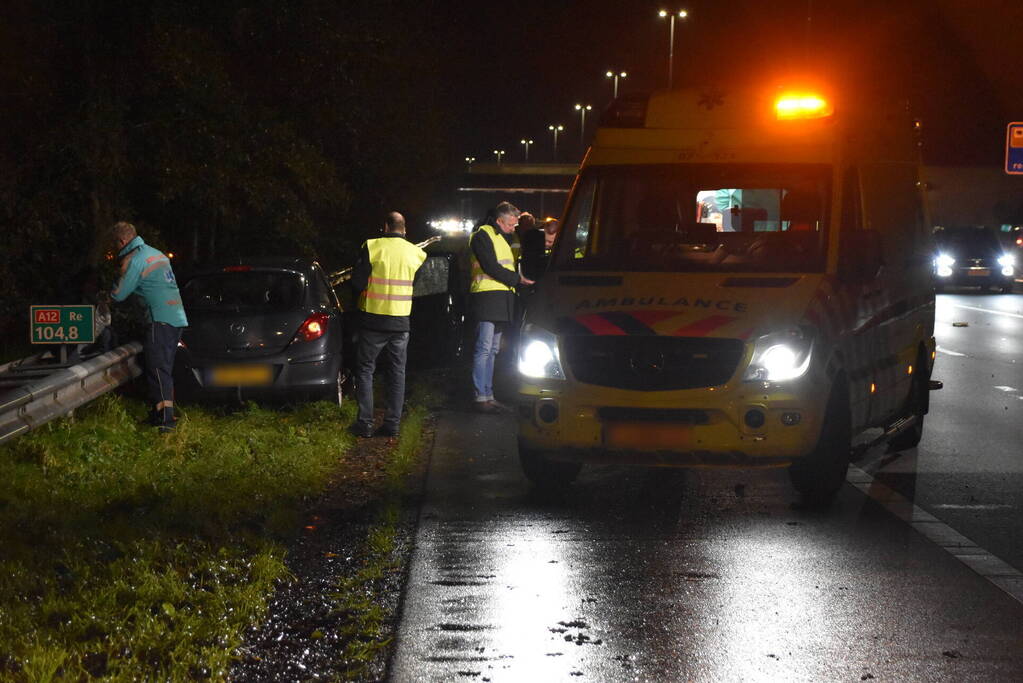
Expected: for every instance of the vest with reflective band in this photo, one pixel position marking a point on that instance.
(481, 282)
(394, 264)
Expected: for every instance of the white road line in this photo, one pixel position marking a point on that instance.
(989, 310)
(947, 352)
(975, 506)
(994, 569)
(1008, 390)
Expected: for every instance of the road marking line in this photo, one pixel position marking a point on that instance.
(942, 349)
(989, 310)
(998, 572)
(1008, 390)
(977, 506)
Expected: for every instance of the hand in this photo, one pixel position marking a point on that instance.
(526, 281)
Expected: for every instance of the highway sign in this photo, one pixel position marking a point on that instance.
(62, 324)
(1014, 148)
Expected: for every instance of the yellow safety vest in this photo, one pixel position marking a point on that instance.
(394, 264)
(481, 282)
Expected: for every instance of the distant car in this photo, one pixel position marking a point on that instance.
(973, 257)
(261, 329)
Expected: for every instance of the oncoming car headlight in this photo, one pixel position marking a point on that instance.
(538, 354)
(781, 356)
(943, 265)
(1006, 260)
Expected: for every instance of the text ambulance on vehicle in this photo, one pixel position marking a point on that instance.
(742, 279)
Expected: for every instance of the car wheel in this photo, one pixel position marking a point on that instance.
(917, 404)
(545, 473)
(818, 476)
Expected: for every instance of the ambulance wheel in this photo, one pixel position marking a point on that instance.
(818, 476)
(545, 473)
(917, 405)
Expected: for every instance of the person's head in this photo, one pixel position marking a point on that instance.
(121, 233)
(394, 222)
(526, 221)
(550, 231)
(506, 217)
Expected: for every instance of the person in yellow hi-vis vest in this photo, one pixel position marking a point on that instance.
(492, 299)
(384, 276)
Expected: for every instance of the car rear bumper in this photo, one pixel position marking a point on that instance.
(196, 377)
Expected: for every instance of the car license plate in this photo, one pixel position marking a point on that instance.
(241, 375)
(655, 436)
(981, 272)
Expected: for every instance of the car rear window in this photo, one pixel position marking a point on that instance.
(253, 290)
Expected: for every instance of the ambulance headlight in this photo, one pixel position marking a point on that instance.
(538, 354)
(780, 357)
(1006, 260)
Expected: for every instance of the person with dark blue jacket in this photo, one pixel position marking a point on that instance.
(147, 272)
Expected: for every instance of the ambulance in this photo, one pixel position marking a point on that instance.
(742, 279)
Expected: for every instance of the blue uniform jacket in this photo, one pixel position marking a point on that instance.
(149, 275)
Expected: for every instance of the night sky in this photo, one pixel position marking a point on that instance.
(517, 68)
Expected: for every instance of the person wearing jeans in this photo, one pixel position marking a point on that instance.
(492, 299)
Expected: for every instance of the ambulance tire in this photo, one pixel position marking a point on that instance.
(818, 476)
(544, 473)
(917, 404)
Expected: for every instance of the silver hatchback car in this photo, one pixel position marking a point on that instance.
(261, 329)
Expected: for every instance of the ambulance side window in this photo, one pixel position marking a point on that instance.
(851, 209)
(892, 199)
(580, 219)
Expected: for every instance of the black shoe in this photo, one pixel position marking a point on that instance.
(389, 432)
(361, 430)
(487, 407)
(166, 429)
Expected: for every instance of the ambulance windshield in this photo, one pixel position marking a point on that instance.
(698, 217)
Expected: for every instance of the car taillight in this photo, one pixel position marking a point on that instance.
(313, 327)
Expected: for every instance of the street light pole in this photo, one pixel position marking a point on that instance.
(582, 109)
(526, 143)
(681, 14)
(499, 153)
(615, 76)
(555, 128)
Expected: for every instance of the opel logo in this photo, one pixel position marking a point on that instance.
(647, 361)
(237, 328)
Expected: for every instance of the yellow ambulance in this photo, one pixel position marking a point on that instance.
(742, 279)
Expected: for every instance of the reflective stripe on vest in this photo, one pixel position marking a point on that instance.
(481, 282)
(394, 263)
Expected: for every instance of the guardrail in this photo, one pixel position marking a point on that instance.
(40, 400)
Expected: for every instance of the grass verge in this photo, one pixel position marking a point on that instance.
(133, 555)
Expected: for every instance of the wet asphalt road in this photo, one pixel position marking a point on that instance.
(669, 575)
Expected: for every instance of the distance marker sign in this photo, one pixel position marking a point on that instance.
(62, 324)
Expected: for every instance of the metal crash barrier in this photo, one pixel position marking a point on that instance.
(47, 394)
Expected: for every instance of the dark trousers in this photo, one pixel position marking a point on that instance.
(393, 348)
(159, 346)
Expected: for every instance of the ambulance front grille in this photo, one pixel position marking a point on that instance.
(652, 363)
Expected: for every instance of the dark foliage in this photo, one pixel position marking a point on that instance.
(222, 129)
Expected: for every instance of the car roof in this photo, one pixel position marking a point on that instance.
(296, 263)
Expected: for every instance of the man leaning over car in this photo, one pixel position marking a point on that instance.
(384, 276)
(147, 272)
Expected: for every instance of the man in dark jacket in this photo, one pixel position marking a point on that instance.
(384, 277)
(492, 298)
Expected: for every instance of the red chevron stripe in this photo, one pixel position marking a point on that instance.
(701, 328)
(597, 324)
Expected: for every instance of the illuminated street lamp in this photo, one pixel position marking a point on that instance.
(615, 76)
(681, 14)
(555, 128)
(526, 143)
(468, 163)
(498, 153)
(582, 109)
